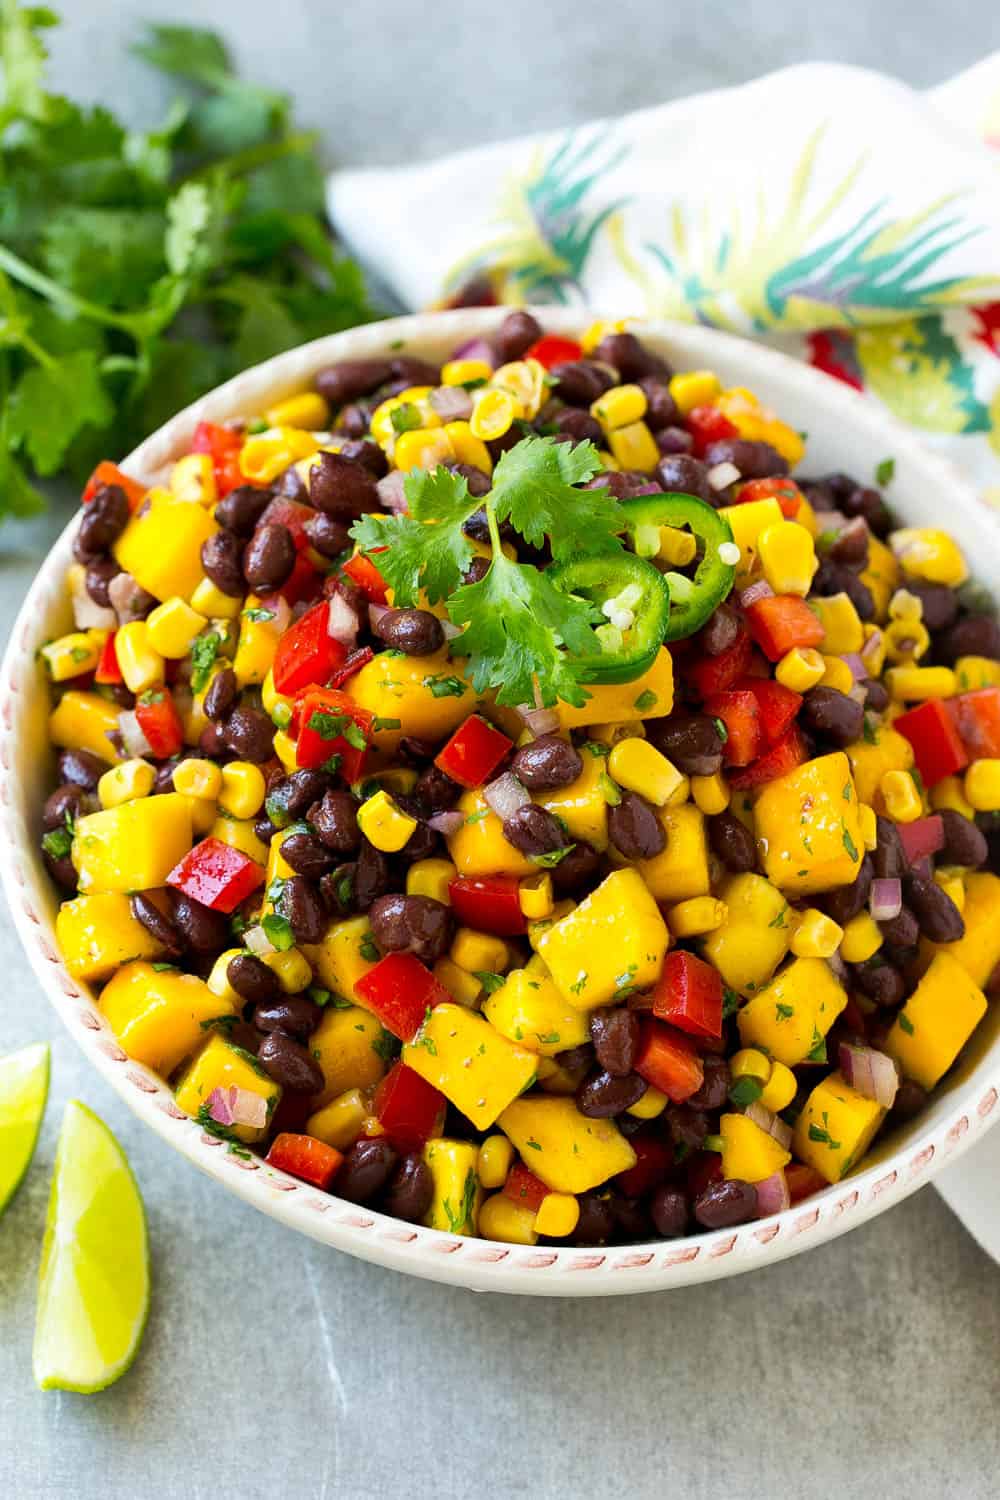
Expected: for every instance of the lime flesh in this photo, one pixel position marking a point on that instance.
(24, 1088)
(93, 1283)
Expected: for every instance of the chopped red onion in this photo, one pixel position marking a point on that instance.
(759, 590)
(446, 823)
(925, 836)
(449, 630)
(721, 476)
(773, 1196)
(838, 968)
(451, 402)
(853, 660)
(885, 900)
(391, 493)
(871, 648)
(538, 720)
(86, 614)
(830, 520)
(375, 613)
(235, 1106)
(477, 349)
(133, 739)
(873, 1074)
(257, 940)
(770, 1124)
(506, 795)
(342, 623)
(649, 488)
(126, 598)
(280, 610)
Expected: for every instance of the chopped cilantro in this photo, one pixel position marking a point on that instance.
(278, 931)
(849, 844)
(405, 418)
(445, 687)
(645, 701)
(318, 995)
(595, 748)
(745, 1091)
(885, 472)
(905, 1024)
(720, 729)
(57, 844)
(869, 730)
(730, 1002)
(378, 723)
(368, 950)
(204, 650)
(551, 857)
(533, 1144)
(609, 790)
(258, 616)
(489, 981)
(779, 919)
(385, 1046)
(783, 1012)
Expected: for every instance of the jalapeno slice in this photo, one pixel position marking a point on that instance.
(634, 599)
(692, 599)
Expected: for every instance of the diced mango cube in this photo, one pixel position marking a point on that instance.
(479, 847)
(649, 696)
(749, 1153)
(680, 870)
(582, 805)
(158, 1016)
(161, 546)
(751, 942)
(883, 749)
(220, 1065)
(457, 1191)
(936, 1021)
(83, 721)
(836, 1127)
(465, 1057)
(790, 1017)
(613, 942)
(978, 951)
(567, 1150)
(132, 847)
(344, 954)
(349, 1045)
(529, 1010)
(808, 831)
(97, 934)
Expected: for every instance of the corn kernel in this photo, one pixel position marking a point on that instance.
(431, 877)
(263, 458)
(397, 780)
(874, 654)
(423, 448)
(861, 939)
(925, 552)
(493, 414)
(620, 406)
(749, 1063)
(816, 935)
(949, 878)
(905, 640)
(239, 833)
(500, 1218)
(780, 1089)
(867, 824)
(901, 798)
(496, 1157)
(213, 603)
(836, 674)
(478, 952)
(919, 684)
(218, 980)
(198, 778)
(308, 410)
(202, 813)
(535, 896)
(678, 548)
(695, 916)
(640, 767)
(342, 1121)
(788, 557)
(800, 669)
(610, 734)
(192, 478)
(72, 654)
(463, 987)
(284, 749)
(982, 785)
(126, 782)
(634, 447)
(141, 666)
(949, 792)
(841, 624)
(467, 448)
(972, 672)
(903, 605)
(172, 627)
(462, 371)
(711, 793)
(243, 788)
(524, 379)
(695, 388)
(651, 1104)
(383, 823)
(599, 330)
(558, 1215)
(291, 969)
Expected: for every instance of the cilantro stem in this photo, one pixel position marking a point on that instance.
(253, 157)
(38, 282)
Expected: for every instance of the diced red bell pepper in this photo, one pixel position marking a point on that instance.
(108, 669)
(217, 875)
(977, 716)
(160, 722)
(781, 622)
(552, 350)
(522, 1186)
(473, 753)
(282, 511)
(306, 1157)
(400, 990)
(688, 995)
(489, 903)
(789, 752)
(331, 723)
(307, 653)
(108, 473)
(362, 571)
(223, 445)
(654, 1159)
(357, 659)
(778, 705)
(740, 714)
(803, 1181)
(922, 837)
(714, 673)
(669, 1061)
(704, 1168)
(782, 489)
(937, 746)
(303, 582)
(409, 1109)
(708, 425)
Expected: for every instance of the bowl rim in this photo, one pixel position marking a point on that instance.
(429, 1253)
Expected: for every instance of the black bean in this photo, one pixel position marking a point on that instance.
(436, 789)
(302, 905)
(337, 890)
(881, 982)
(415, 632)
(412, 924)
(242, 508)
(102, 523)
(307, 855)
(211, 742)
(876, 697)
(902, 930)
(631, 1218)
(221, 695)
(329, 537)
(547, 763)
(534, 830)
(477, 570)
(367, 453)
(415, 371)
(354, 418)
(691, 741)
(603, 1094)
(630, 358)
(291, 797)
(939, 917)
(290, 1064)
(291, 486)
(221, 558)
(833, 716)
(371, 876)
(634, 828)
(478, 480)
(862, 501)
(714, 1089)
(579, 425)
(889, 860)
(687, 1125)
(579, 383)
(64, 801)
(661, 408)
(669, 1211)
(689, 476)
(755, 460)
(249, 734)
(336, 822)
(269, 558)
(264, 828)
(910, 1100)
(850, 546)
(350, 378)
(940, 603)
(341, 487)
(848, 900)
(673, 440)
(725, 1203)
(975, 635)
(577, 869)
(62, 870)
(423, 842)
(164, 781)
(82, 768)
(732, 842)
(157, 923)
(295, 1015)
(252, 980)
(615, 1034)
(596, 1221)
(365, 1170)
(100, 572)
(204, 930)
(964, 843)
(410, 1190)
(832, 578)
(515, 335)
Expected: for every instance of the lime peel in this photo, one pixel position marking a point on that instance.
(24, 1089)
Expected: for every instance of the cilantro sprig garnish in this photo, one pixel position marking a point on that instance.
(520, 633)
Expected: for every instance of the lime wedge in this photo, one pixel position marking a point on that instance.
(93, 1284)
(24, 1088)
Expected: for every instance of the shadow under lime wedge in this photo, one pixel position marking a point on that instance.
(93, 1284)
(24, 1088)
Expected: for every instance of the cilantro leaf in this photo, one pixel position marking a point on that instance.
(422, 555)
(69, 385)
(533, 489)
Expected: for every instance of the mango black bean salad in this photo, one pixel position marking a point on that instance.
(502, 795)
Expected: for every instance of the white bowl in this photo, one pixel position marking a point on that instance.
(845, 432)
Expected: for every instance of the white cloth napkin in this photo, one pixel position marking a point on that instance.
(864, 239)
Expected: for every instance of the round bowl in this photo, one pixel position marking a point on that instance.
(845, 432)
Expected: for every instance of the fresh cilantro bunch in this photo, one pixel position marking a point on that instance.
(140, 268)
(520, 633)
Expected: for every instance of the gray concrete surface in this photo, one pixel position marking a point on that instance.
(273, 1367)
